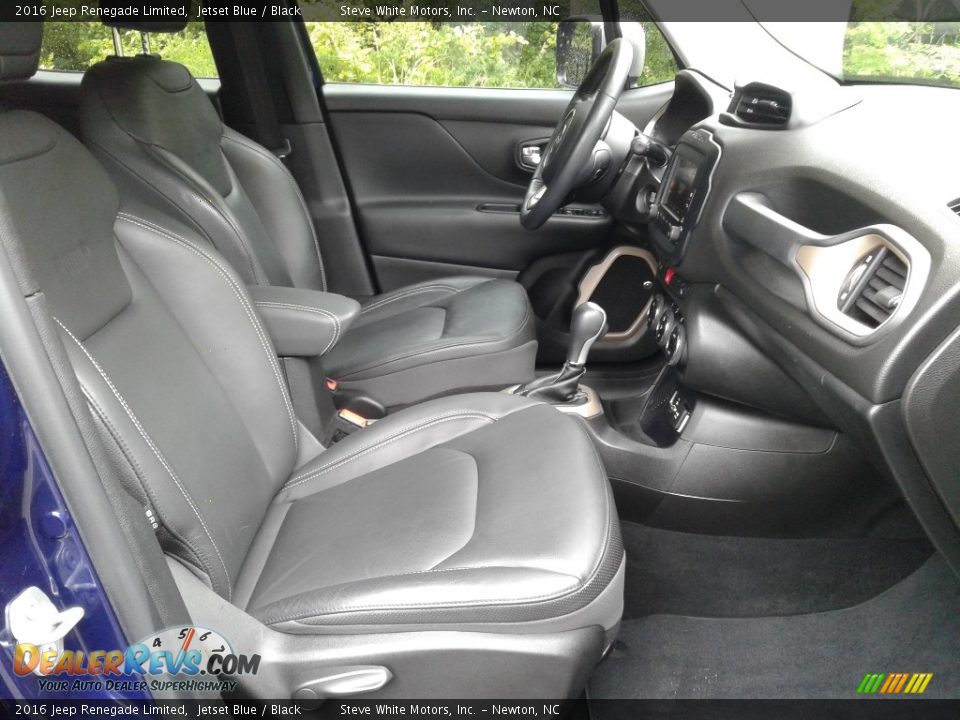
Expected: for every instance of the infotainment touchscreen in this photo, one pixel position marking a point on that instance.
(681, 181)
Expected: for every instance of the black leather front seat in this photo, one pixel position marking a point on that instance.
(469, 545)
(155, 129)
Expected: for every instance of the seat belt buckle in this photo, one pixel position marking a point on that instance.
(351, 418)
(345, 422)
(331, 384)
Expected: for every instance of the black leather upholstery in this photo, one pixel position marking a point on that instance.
(303, 323)
(437, 336)
(19, 49)
(154, 128)
(472, 511)
(487, 511)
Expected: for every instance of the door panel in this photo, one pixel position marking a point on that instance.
(436, 179)
(422, 162)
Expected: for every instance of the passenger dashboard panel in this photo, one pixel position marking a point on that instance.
(856, 284)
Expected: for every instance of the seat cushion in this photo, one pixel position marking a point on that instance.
(474, 509)
(457, 333)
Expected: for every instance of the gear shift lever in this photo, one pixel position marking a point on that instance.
(588, 325)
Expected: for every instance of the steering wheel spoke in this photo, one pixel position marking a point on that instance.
(537, 196)
(571, 147)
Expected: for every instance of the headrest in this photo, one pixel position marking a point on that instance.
(173, 26)
(19, 49)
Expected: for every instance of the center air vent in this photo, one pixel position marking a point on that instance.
(762, 105)
(955, 206)
(874, 287)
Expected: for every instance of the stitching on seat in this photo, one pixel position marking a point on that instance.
(198, 194)
(598, 565)
(307, 308)
(400, 433)
(117, 438)
(156, 451)
(251, 315)
(262, 152)
(440, 348)
(452, 603)
(152, 150)
(552, 595)
(195, 226)
(455, 603)
(407, 293)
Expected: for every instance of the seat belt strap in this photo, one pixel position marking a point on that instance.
(256, 88)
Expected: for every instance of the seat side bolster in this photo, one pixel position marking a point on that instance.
(235, 347)
(281, 207)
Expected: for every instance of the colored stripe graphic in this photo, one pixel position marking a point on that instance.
(870, 683)
(890, 682)
(924, 680)
(894, 683)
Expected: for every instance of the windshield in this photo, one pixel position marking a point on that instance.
(919, 53)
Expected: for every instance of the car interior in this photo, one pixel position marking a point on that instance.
(617, 390)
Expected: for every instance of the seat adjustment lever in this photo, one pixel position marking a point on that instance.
(344, 681)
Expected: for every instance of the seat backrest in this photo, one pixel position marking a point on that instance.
(158, 134)
(178, 373)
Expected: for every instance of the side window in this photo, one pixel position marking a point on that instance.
(78, 45)
(475, 54)
(659, 66)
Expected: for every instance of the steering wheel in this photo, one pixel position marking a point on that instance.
(569, 160)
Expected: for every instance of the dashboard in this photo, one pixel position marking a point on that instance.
(823, 226)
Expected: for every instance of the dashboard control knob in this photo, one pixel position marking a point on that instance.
(657, 304)
(676, 345)
(665, 327)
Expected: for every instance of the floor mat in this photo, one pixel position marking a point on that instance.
(710, 576)
(912, 627)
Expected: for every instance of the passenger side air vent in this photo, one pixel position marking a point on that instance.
(762, 105)
(955, 206)
(874, 287)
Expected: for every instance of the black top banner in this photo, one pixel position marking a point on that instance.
(459, 11)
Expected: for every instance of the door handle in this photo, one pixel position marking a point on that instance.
(530, 154)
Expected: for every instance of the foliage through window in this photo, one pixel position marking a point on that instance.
(659, 65)
(78, 45)
(920, 52)
(475, 54)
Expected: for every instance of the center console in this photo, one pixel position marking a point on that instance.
(683, 192)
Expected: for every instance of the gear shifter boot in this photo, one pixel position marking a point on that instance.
(557, 389)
